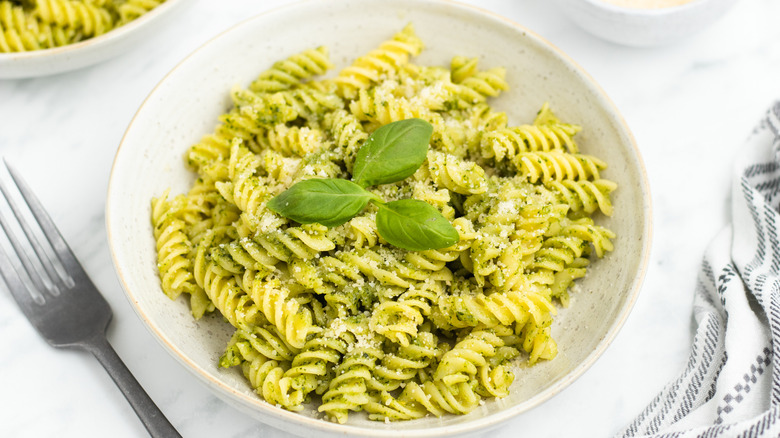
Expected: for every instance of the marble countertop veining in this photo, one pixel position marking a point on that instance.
(690, 105)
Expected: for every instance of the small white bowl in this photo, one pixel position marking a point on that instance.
(186, 105)
(644, 27)
(35, 63)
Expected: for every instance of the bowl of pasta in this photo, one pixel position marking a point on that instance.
(409, 217)
(44, 37)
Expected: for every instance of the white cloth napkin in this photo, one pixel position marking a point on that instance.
(731, 384)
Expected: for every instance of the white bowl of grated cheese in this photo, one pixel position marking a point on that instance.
(644, 23)
(188, 101)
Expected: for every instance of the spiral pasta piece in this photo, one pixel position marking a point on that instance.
(248, 195)
(132, 9)
(90, 19)
(586, 196)
(173, 254)
(402, 368)
(211, 149)
(462, 68)
(321, 164)
(290, 317)
(546, 134)
(311, 368)
(562, 253)
(508, 142)
(362, 232)
(380, 107)
(558, 252)
(562, 280)
(456, 175)
(480, 120)
(396, 321)
(494, 382)
(294, 140)
(499, 308)
(262, 339)
(243, 123)
(439, 398)
(538, 342)
(15, 32)
(348, 134)
(253, 112)
(308, 103)
(460, 364)
(588, 231)
(290, 72)
(173, 247)
(325, 274)
(386, 59)
(558, 166)
(405, 362)
(198, 206)
(494, 261)
(303, 242)
(220, 284)
(266, 376)
(480, 85)
(382, 406)
(347, 390)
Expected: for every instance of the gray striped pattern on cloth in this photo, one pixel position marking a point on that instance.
(730, 386)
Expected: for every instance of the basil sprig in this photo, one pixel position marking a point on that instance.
(390, 154)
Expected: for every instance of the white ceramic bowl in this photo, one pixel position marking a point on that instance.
(644, 27)
(91, 51)
(186, 104)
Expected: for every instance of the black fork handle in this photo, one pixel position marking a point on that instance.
(153, 419)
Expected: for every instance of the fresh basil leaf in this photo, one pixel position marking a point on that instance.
(330, 202)
(392, 153)
(414, 225)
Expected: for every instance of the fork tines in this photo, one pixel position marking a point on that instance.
(27, 263)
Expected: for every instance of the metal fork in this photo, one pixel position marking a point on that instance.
(61, 301)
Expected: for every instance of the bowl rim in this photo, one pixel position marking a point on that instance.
(89, 43)
(480, 424)
(649, 12)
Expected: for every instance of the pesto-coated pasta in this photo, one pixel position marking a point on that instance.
(337, 315)
(46, 24)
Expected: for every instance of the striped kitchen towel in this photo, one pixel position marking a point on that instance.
(731, 384)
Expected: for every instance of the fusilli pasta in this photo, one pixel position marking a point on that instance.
(339, 315)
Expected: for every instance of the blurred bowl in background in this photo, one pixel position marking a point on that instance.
(645, 23)
(90, 51)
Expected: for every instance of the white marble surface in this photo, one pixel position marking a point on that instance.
(690, 105)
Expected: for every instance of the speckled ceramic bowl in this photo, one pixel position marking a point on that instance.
(91, 51)
(644, 27)
(186, 104)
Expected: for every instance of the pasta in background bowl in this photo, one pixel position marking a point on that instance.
(187, 104)
(44, 37)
